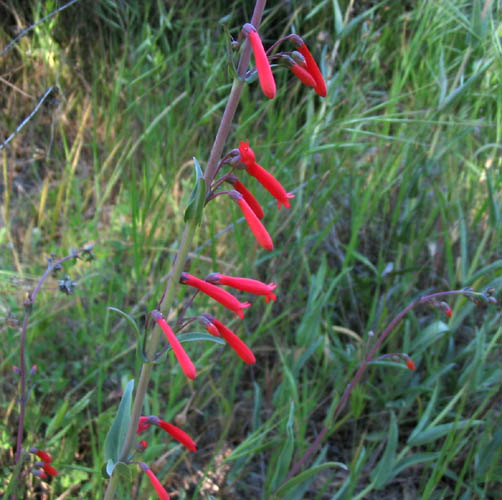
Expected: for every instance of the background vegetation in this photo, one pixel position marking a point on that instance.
(398, 181)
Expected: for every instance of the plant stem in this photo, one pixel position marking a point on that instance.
(368, 358)
(146, 369)
(28, 304)
(233, 100)
(185, 245)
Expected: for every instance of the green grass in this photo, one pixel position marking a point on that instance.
(397, 176)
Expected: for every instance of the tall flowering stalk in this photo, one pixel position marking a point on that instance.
(203, 192)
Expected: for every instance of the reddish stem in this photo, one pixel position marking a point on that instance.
(28, 305)
(368, 358)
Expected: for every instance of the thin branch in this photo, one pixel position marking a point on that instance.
(33, 26)
(46, 94)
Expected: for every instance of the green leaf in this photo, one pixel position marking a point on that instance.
(282, 465)
(479, 23)
(425, 417)
(487, 455)
(252, 444)
(14, 478)
(80, 405)
(417, 458)
(123, 470)
(191, 337)
(305, 476)
(434, 433)
(110, 465)
(338, 17)
(198, 196)
(129, 318)
(383, 471)
(57, 419)
(196, 336)
(185, 337)
(354, 23)
(117, 433)
(470, 82)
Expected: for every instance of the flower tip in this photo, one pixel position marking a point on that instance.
(269, 89)
(143, 425)
(50, 470)
(321, 89)
(157, 485)
(43, 455)
(448, 312)
(249, 358)
(410, 364)
(190, 371)
(141, 446)
(247, 154)
(178, 434)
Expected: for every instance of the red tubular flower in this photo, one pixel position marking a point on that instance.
(410, 364)
(257, 228)
(265, 178)
(312, 68)
(157, 485)
(178, 434)
(143, 425)
(50, 470)
(174, 431)
(142, 446)
(185, 362)
(209, 326)
(267, 82)
(39, 473)
(303, 75)
(242, 350)
(271, 184)
(43, 455)
(248, 196)
(247, 154)
(222, 296)
(246, 284)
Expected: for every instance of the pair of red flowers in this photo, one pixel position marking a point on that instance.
(251, 208)
(212, 325)
(45, 464)
(307, 71)
(178, 434)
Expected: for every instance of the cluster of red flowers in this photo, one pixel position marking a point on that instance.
(303, 65)
(44, 466)
(210, 287)
(177, 433)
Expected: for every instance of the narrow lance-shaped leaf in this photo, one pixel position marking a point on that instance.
(116, 435)
(197, 197)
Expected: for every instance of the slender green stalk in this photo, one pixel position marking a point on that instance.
(146, 369)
